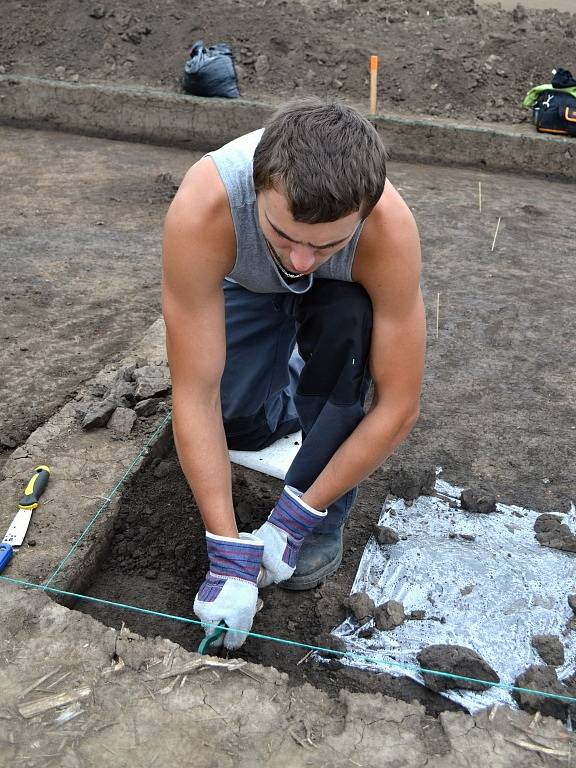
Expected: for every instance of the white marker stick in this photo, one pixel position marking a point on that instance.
(496, 233)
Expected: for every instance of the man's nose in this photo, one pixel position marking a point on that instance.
(302, 257)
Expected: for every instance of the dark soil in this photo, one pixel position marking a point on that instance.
(386, 536)
(457, 660)
(550, 648)
(477, 500)
(410, 482)
(552, 532)
(157, 560)
(361, 606)
(452, 58)
(544, 678)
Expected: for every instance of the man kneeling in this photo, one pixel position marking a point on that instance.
(291, 282)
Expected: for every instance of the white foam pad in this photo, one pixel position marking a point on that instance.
(274, 460)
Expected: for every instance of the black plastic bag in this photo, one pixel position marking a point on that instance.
(210, 71)
(563, 79)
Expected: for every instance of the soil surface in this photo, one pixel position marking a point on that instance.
(80, 232)
(452, 58)
(498, 400)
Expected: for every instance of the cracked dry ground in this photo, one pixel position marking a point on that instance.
(147, 702)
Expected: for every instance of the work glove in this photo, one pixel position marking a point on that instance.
(283, 534)
(229, 592)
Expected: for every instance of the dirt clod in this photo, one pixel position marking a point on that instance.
(97, 12)
(166, 186)
(410, 482)
(98, 389)
(572, 602)
(550, 649)
(362, 606)
(121, 392)
(151, 380)
(126, 372)
(122, 421)
(389, 615)
(99, 414)
(148, 407)
(541, 678)
(7, 442)
(478, 500)
(456, 660)
(552, 532)
(385, 535)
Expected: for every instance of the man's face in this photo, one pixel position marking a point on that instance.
(301, 248)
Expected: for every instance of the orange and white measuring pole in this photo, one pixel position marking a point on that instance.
(373, 83)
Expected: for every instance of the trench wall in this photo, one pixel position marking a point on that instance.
(138, 113)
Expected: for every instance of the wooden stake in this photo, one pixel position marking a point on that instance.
(480, 196)
(496, 233)
(437, 314)
(373, 83)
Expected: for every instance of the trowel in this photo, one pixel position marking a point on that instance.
(27, 504)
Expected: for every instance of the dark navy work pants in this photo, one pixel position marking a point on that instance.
(271, 387)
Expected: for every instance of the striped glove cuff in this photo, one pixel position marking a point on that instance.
(293, 516)
(235, 558)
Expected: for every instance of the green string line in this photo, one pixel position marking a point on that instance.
(272, 638)
(294, 643)
(108, 500)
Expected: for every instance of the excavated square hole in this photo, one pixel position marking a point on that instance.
(156, 559)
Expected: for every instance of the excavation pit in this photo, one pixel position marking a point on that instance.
(155, 558)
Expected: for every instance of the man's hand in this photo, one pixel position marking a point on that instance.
(229, 592)
(283, 534)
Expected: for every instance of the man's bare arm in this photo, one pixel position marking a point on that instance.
(197, 254)
(388, 266)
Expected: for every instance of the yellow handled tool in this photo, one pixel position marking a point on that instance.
(27, 504)
(35, 488)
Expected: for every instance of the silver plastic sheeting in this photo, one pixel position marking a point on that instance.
(491, 594)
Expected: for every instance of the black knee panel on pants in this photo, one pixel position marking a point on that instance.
(334, 332)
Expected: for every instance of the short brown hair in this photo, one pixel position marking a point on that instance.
(325, 157)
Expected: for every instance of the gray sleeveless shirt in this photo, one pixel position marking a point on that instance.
(254, 268)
